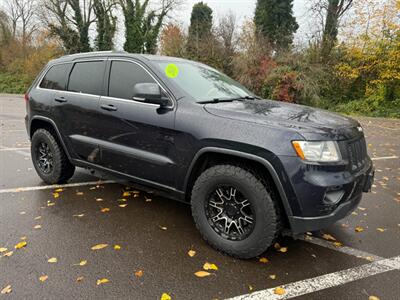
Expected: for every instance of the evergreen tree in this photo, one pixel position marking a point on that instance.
(275, 21)
(199, 29)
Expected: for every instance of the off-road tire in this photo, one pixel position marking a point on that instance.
(266, 211)
(62, 168)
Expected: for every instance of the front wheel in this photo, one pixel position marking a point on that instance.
(234, 211)
(49, 159)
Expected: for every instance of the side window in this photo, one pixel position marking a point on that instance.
(124, 76)
(86, 77)
(55, 78)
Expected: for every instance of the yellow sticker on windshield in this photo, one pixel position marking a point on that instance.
(171, 71)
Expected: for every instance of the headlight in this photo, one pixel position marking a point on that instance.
(327, 151)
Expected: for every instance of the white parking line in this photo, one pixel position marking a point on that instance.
(55, 186)
(343, 249)
(2, 148)
(384, 157)
(311, 285)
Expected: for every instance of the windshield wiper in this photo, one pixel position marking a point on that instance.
(218, 100)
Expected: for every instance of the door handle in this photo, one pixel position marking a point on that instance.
(109, 107)
(60, 99)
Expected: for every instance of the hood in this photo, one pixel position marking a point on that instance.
(311, 123)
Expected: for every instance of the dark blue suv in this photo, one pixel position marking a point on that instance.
(251, 168)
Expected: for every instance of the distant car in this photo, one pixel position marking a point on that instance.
(251, 168)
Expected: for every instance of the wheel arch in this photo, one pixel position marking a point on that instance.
(212, 155)
(39, 122)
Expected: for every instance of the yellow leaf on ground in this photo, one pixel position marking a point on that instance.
(373, 298)
(23, 238)
(328, 237)
(105, 209)
(263, 260)
(8, 254)
(165, 296)
(208, 266)
(117, 247)
(277, 246)
(381, 229)
(123, 205)
(38, 217)
(37, 227)
(272, 276)
(22, 213)
(202, 274)
(3, 250)
(283, 249)
(126, 194)
(102, 281)
(52, 260)
(58, 190)
(99, 200)
(50, 203)
(99, 246)
(20, 245)
(139, 273)
(359, 229)
(79, 279)
(79, 193)
(56, 195)
(338, 244)
(83, 263)
(250, 288)
(6, 290)
(163, 227)
(43, 278)
(279, 291)
(191, 253)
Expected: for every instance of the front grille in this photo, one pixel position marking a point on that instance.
(357, 154)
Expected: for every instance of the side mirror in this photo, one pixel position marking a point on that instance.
(149, 93)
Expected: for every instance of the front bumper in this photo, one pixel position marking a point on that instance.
(362, 183)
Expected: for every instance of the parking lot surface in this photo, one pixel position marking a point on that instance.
(146, 238)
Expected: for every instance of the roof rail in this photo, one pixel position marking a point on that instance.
(94, 52)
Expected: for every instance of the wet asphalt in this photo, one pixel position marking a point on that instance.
(155, 234)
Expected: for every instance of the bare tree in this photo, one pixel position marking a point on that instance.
(226, 31)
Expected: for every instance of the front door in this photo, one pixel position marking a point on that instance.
(136, 138)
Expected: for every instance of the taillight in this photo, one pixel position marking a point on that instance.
(26, 97)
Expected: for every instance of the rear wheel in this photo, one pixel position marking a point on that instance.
(234, 211)
(49, 159)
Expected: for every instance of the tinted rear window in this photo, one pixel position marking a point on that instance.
(55, 78)
(86, 77)
(124, 76)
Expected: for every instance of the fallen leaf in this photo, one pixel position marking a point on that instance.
(6, 290)
(79, 279)
(277, 246)
(381, 229)
(163, 227)
(373, 298)
(82, 263)
(8, 254)
(99, 246)
(79, 216)
(139, 273)
(38, 217)
(361, 208)
(22, 213)
(263, 260)
(23, 238)
(43, 278)
(283, 249)
(99, 200)
(250, 288)
(56, 195)
(279, 291)
(20, 245)
(102, 281)
(79, 193)
(106, 209)
(191, 253)
(328, 237)
(58, 190)
(50, 203)
(117, 247)
(358, 229)
(37, 227)
(123, 205)
(272, 276)
(3, 250)
(126, 194)
(338, 244)
(52, 260)
(202, 274)
(165, 296)
(147, 199)
(208, 266)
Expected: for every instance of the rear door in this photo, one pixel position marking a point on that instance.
(137, 138)
(77, 108)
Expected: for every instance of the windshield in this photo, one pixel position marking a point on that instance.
(202, 82)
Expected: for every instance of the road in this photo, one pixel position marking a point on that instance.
(155, 235)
